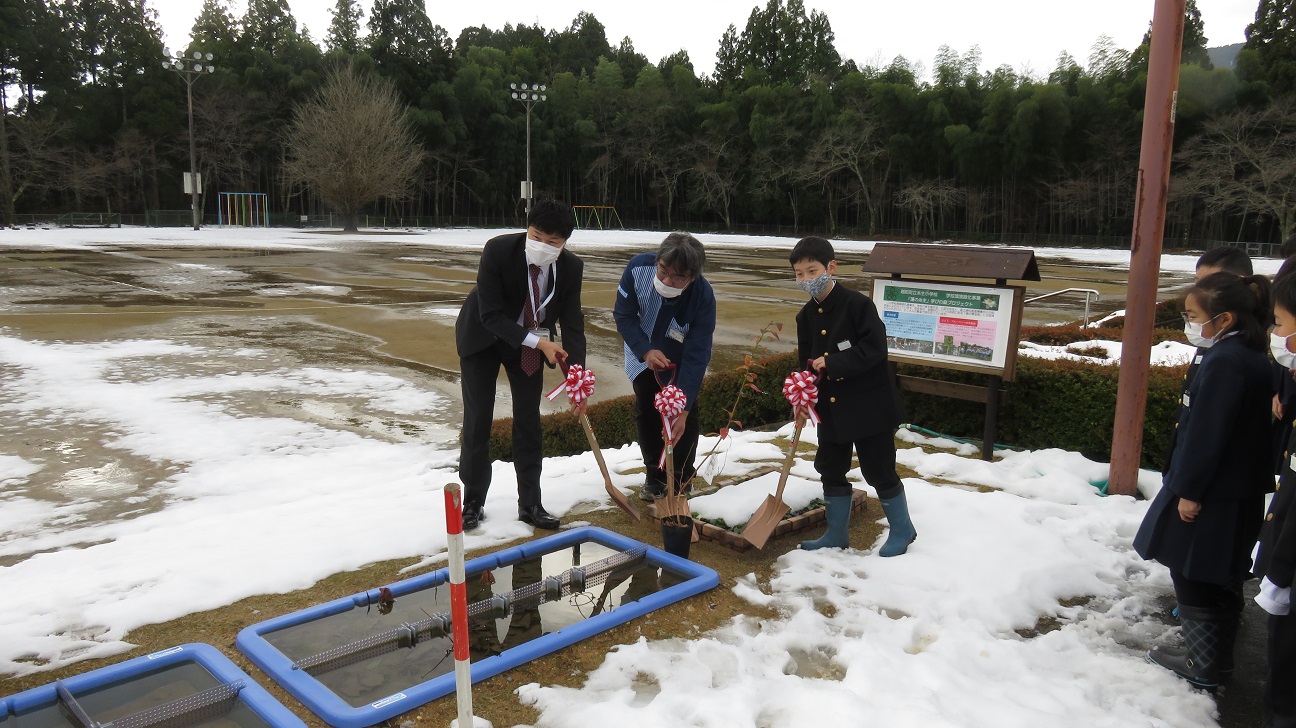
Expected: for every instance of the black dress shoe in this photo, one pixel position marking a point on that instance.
(473, 515)
(537, 516)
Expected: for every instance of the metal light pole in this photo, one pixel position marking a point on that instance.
(191, 69)
(529, 95)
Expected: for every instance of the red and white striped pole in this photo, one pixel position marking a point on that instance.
(458, 605)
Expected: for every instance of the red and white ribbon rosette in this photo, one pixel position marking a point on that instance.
(670, 402)
(803, 393)
(579, 386)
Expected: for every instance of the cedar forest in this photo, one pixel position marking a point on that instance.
(785, 136)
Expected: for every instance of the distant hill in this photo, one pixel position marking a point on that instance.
(1224, 56)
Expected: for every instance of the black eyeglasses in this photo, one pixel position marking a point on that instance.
(672, 278)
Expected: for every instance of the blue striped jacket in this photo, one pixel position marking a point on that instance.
(681, 328)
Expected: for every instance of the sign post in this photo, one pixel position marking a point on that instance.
(965, 326)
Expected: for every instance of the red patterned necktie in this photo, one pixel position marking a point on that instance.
(531, 358)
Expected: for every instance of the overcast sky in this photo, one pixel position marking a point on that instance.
(1025, 34)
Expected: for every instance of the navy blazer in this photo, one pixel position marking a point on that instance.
(857, 394)
(1222, 460)
(493, 307)
(1277, 557)
(682, 328)
(1222, 438)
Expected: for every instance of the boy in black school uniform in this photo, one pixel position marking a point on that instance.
(1276, 555)
(840, 334)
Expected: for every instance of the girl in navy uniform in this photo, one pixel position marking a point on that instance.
(1276, 557)
(1204, 522)
(840, 333)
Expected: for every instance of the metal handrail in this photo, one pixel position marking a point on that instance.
(1087, 291)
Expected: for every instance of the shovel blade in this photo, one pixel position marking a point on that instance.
(621, 500)
(763, 522)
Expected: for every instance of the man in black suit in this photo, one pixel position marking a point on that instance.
(528, 286)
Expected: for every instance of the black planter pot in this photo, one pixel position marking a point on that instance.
(677, 535)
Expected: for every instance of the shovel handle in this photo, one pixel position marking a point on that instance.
(787, 461)
(594, 446)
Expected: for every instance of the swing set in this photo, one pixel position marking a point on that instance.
(243, 209)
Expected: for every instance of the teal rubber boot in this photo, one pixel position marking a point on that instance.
(902, 529)
(837, 536)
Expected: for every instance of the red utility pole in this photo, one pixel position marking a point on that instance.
(1145, 249)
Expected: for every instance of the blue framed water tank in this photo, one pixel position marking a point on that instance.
(362, 659)
(189, 685)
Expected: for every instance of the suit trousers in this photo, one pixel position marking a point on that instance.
(877, 458)
(480, 374)
(1279, 699)
(649, 423)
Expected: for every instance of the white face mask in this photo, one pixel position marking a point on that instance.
(1278, 347)
(541, 254)
(1193, 332)
(664, 290)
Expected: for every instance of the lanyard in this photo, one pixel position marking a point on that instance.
(553, 281)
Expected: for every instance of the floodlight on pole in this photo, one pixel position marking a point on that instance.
(191, 67)
(528, 95)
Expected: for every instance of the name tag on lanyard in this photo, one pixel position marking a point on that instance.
(553, 288)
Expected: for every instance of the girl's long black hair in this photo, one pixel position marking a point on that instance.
(1246, 297)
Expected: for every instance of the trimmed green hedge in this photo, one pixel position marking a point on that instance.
(1062, 404)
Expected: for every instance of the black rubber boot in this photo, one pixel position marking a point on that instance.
(1203, 633)
(1230, 620)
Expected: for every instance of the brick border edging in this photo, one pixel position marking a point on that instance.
(735, 541)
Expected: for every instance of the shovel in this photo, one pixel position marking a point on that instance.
(673, 503)
(766, 518)
(618, 497)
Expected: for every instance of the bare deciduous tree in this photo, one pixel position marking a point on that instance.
(226, 136)
(1245, 161)
(852, 144)
(38, 158)
(925, 199)
(353, 144)
(717, 174)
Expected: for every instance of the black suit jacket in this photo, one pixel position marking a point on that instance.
(491, 311)
(1277, 558)
(857, 394)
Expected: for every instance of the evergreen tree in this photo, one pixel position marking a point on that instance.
(269, 25)
(214, 30)
(1194, 41)
(344, 29)
(783, 45)
(728, 67)
(16, 40)
(1273, 38)
(581, 45)
(407, 46)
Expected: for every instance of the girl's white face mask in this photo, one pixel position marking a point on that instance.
(1193, 332)
(1278, 347)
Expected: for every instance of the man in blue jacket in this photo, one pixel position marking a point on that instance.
(666, 313)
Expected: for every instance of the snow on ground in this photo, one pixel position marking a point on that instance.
(928, 639)
(301, 239)
(1167, 353)
(952, 634)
